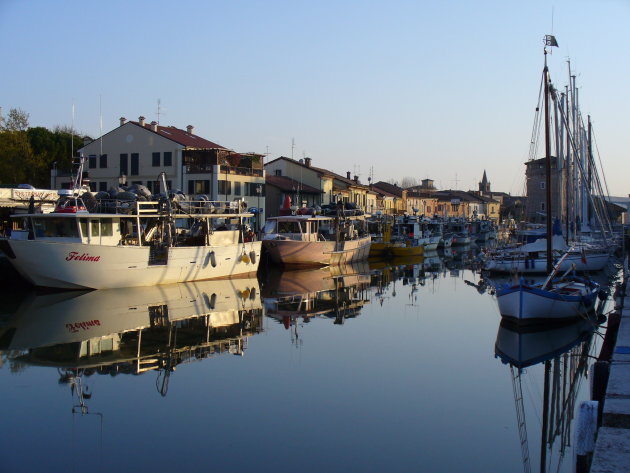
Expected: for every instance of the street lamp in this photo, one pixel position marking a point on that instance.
(259, 192)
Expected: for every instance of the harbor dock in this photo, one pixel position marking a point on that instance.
(612, 448)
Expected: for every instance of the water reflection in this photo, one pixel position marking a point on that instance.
(297, 296)
(564, 352)
(132, 330)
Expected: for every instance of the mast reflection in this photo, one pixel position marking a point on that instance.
(564, 351)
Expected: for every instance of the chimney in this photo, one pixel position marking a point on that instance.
(347, 174)
(356, 179)
(190, 129)
(154, 126)
(307, 161)
(123, 120)
(141, 121)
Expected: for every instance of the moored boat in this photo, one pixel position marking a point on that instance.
(315, 240)
(133, 243)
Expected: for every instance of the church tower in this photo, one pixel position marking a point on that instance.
(484, 185)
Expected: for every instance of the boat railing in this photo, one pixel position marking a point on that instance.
(174, 206)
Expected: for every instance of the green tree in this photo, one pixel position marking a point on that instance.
(17, 120)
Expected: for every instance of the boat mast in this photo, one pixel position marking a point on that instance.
(547, 166)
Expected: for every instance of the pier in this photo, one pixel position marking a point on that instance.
(612, 448)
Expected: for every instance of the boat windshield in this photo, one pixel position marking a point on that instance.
(55, 227)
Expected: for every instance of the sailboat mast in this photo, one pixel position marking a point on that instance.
(548, 167)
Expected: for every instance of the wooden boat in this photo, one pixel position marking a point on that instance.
(314, 240)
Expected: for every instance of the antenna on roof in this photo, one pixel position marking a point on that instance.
(159, 110)
(292, 146)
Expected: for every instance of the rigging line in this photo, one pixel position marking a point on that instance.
(533, 143)
(601, 166)
(582, 174)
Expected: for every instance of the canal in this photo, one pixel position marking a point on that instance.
(386, 366)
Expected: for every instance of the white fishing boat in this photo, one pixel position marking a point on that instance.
(555, 299)
(131, 243)
(315, 240)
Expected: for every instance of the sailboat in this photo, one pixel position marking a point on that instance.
(554, 299)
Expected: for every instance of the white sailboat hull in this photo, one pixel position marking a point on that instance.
(530, 304)
(592, 262)
(79, 266)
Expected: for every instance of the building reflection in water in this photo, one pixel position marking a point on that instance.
(564, 351)
(132, 330)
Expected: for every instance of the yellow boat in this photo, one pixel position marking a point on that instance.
(406, 249)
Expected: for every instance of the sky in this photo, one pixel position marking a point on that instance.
(383, 89)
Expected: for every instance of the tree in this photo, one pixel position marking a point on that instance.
(408, 181)
(17, 120)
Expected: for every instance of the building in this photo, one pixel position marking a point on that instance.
(536, 184)
(137, 152)
(332, 187)
(390, 199)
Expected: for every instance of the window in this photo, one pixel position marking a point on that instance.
(94, 228)
(542, 184)
(135, 164)
(542, 206)
(251, 189)
(124, 163)
(278, 172)
(92, 186)
(55, 227)
(428, 209)
(102, 162)
(237, 188)
(92, 161)
(156, 160)
(225, 188)
(102, 186)
(153, 186)
(199, 187)
(168, 158)
(84, 228)
(106, 228)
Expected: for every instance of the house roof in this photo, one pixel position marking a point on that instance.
(189, 140)
(286, 184)
(388, 188)
(177, 135)
(322, 171)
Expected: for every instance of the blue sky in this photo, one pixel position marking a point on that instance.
(403, 88)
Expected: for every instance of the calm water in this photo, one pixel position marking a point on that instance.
(380, 367)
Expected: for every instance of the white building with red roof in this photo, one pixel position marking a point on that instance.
(136, 152)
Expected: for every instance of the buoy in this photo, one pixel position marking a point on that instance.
(213, 259)
(244, 258)
(252, 256)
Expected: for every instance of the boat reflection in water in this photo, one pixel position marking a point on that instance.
(333, 292)
(564, 351)
(133, 330)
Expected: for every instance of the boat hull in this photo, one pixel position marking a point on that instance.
(84, 266)
(317, 253)
(531, 304)
(398, 251)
